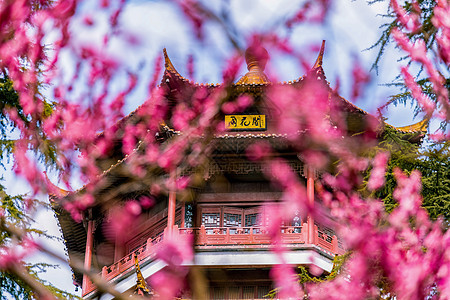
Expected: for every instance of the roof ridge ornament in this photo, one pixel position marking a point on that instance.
(54, 190)
(167, 63)
(142, 288)
(421, 126)
(319, 60)
(256, 58)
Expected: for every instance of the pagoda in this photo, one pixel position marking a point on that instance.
(226, 213)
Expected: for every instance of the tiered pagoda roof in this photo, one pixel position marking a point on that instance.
(254, 82)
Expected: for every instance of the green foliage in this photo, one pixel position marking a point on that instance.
(433, 161)
(8, 99)
(11, 286)
(435, 168)
(44, 150)
(427, 31)
(305, 277)
(15, 208)
(434, 164)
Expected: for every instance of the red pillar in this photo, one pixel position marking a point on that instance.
(310, 196)
(183, 213)
(171, 210)
(88, 253)
(172, 203)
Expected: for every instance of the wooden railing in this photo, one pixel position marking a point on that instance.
(220, 236)
(206, 237)
(145, 251)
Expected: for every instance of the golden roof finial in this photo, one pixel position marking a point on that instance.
(319, 60)
(256, 58)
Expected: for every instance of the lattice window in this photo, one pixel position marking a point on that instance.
(211, 219)
(252, 220)
(232, 220)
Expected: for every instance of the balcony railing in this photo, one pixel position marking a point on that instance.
(211, 237)
(220, 236)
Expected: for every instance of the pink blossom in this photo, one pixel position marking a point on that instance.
(88, 20)
(259, 151)
(175, 250)
(377, 175)
(129, 140)
(182, 182)
(123, 221)
(9, 257)
(156, 73)
(409, 21)
(424, 101)
(146, 202)
(193, 11)
(167, 285)
(310, 12)
(405, 247)
(418, 53)
(229, 107)
(360, 79)
(232, 68)
(190, 66)
(285, 281)
(27, 168)
(16, 253)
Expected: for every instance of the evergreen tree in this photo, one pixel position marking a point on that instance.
(14, 210)
(433, 163)
(420, 24)
(419, 20)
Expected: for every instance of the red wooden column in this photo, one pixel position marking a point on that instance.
(310, 196)
(171, 210)
(183, 213)
(88, 253)
(171, 205)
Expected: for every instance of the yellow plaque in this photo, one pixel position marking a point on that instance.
(245, 122)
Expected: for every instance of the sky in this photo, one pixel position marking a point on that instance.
(351, 27)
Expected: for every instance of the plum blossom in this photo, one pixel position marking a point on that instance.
(285, 279)
(377, 175)
(409, 21)
(175, 250)
(424, 101)
(404, 249)
(360, 79)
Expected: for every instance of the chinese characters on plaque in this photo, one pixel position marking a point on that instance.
(245, 122)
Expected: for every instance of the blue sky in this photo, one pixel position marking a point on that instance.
(352, 26)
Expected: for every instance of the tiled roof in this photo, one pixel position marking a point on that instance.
(421, 126)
